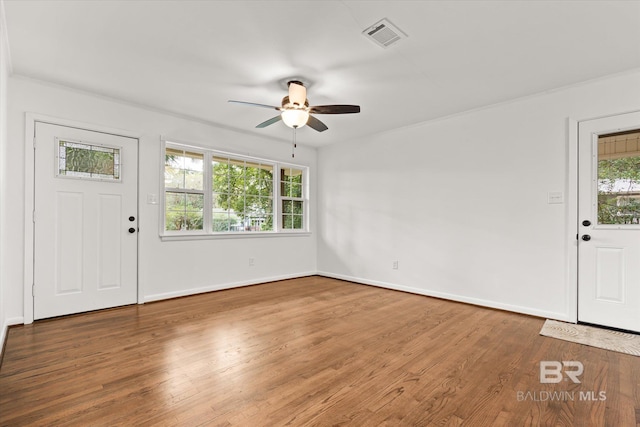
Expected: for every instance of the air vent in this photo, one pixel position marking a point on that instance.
(384, 33)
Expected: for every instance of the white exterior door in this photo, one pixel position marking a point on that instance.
(85, 220)
(608, 214)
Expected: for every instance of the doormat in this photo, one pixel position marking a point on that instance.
(607, 339)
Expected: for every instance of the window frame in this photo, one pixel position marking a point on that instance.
(207, 231)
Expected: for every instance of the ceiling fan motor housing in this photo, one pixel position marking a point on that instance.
(287, 105)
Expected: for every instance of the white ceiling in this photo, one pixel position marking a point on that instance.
(190, 57)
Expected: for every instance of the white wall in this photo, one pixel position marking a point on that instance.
(4, 72)
(461, 202)
(166, 269)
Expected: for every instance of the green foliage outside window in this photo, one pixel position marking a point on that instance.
(292, 204)
(618, 187)
(184, 206)
(242, 195)
(238, 198)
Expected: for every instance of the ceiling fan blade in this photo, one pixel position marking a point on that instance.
(297, 93)
(256, 105)
(270, 121)
(316, 124)
(334, 109)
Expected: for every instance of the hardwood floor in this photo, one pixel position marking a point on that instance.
(312, 351)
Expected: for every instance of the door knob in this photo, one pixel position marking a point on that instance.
(586, 237)
(586, 223)
(132, 218)
(133, 230)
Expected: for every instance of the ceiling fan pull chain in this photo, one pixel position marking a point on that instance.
(293, 149)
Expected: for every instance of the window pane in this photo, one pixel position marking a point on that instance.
(220, 184)
(220, 201)
(267, 223)
(287, 221)
(193, 180)
(88, 161)
(174, 201)
(266, 188)
(291, 175)
(220, 174)
(287, 206)
(297, 222)
(193, 221)
(266, 173)
(221, 221)
(183, 211)
(291, 182)
(173, 220)
(266, 204)
(173, 158)
(183, 169)
(181, 220)
(619, 178)
(193, 170)
(193, 161)
(295, 190)
(285, 189)
(173, 178)
(252, 178)
(296, 207)
(195, 202)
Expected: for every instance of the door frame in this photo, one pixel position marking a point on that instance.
(572, 212)
(29, 194)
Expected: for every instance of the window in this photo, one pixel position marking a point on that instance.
(184, 189)
(89, 161)
(208, 192)
(619, 178)
(242, 195)
(291, 196)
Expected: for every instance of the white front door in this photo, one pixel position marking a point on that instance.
(85, 220)
(609, 215)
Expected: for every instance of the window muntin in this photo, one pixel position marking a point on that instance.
(208, 192)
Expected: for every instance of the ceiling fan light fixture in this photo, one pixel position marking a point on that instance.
(295, 118)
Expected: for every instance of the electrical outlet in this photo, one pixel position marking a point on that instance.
(395, 265)
(252, 262)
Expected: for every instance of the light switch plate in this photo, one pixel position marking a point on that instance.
(555, 197)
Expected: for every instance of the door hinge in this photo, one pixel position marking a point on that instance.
(34, 142)
(33, 216)
(33, 290)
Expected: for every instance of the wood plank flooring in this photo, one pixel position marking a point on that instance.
(306, 352)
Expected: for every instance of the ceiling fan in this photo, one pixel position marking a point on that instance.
(295, 111)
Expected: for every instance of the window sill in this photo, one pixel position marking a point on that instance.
(253, 235)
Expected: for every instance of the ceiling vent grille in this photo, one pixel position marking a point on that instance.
(384, 33)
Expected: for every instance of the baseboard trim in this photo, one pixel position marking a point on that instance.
(5, 332)
(452, 297)
(223, 286)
